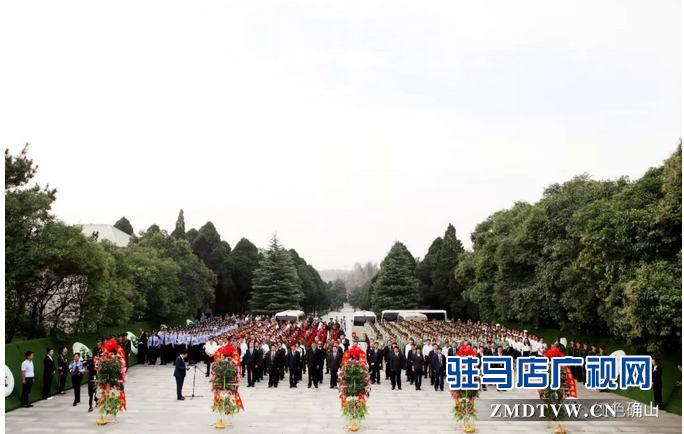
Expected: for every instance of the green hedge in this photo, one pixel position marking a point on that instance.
(14, 356)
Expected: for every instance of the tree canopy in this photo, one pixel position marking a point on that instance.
(276, 285)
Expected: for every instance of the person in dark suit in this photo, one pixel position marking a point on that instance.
(293, 359)
(283, 360)
(142, 346)
(312, 364)
(335, 361)
(386, 355)
(430, 363)
(396, 364)
(272, 363)
(375, 363)
(657, 378)
(439, 368)
(250, 360)
(179, 373)
(48, 373)
(418, 365)
(92, 386)
(453, 350)
(63, 368)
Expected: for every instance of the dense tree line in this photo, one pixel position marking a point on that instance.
(601, 257)
(597, 257)
(59, 281)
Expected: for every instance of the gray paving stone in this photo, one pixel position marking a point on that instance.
(153, 409)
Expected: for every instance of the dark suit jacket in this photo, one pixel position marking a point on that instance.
(180, 367)
(293, 359)
(48, 367)
(314, 358)
(452, 351)
(490, 352)
(419, 365)
(657, 376)
(250, 358)
(442, 368)
(396, 361)
(375, 356)
(335, 361)
(272, 362)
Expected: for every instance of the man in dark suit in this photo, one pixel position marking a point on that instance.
(313, 364)
(657, 379)
(250, 361)
(283, 360)
(386, 355)
(179, 373)
(142, 346)
(375, 363)
(48, 373)
(453, 350)
(430, 363)
(396, 364)
(292, 364)
(272, 364)
(335, 360)
(439, 369)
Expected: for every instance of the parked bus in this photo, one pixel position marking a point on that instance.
(411, 316)
(290, 315)
(393, 315)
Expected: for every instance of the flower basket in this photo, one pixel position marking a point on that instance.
(225, 382)
(110, 379)
(354, 386)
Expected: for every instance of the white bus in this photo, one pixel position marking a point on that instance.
(359, 322)
(393, 315)
(290, 315)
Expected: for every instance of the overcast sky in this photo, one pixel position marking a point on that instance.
(343, 126)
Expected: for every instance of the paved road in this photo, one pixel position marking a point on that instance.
(153, 409)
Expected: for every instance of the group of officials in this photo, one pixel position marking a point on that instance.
(61, 368)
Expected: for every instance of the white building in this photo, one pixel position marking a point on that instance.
(107, 232)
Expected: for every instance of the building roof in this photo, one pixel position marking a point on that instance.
(109, 233)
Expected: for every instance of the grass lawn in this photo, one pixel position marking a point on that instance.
(672, 395)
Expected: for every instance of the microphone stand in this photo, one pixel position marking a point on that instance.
(194, 378)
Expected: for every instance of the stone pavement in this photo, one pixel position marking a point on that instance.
(152, 408)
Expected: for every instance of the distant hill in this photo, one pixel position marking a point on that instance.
(331, 275)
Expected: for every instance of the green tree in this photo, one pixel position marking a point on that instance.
(243, 261)
(156, 279)
(338, 294)
(396, 287)
(124, 225)
(214, 252)
(276, 285)
(196, 280)
(179, 232)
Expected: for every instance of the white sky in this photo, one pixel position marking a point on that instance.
(343, 126)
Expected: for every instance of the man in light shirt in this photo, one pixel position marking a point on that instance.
(27, 376)
(426, 351)
(210, 349)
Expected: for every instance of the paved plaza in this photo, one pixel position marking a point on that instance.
(153, 408)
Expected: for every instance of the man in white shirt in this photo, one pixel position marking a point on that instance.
(27, 376)
(210, 349)
(426, 350)
(243, 350)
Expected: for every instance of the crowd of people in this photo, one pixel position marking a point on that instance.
(76, 365)
(274, 349)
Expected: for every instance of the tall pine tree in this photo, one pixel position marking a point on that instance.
(276, 286)
(179, 232)
(395, 285)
